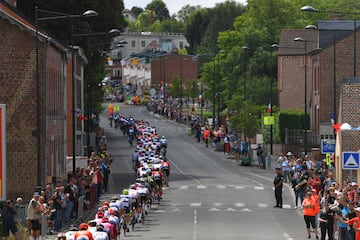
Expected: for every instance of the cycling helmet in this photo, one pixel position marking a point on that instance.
(83, 226)
(125, 192)
(106, 204)
(61, 236)
(100, 228)
(73, 228)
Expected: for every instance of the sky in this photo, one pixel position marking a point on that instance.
(175, 5)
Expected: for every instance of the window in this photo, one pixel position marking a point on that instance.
(133, 43)
(181, 45)
(143, 43)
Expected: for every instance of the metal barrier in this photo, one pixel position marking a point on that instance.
(44, 224)
(21, 214)
(80, 210)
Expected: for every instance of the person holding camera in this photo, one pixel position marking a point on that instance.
(9, 223)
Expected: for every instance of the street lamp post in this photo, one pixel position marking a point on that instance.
(54, 16)
(89, 87)
(299, 39)
(273, 47)
(246, 48)
(218, 88)
(312, 9)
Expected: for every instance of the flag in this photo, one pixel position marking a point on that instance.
(81, 117)
(332, 118)
(200, 98)
(269, 108)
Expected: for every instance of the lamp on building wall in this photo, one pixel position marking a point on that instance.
(299, 39)
(53, 16)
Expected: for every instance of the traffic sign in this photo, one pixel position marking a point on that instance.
(350, 160)
(327, 146)
(270, 120)
(328, 159)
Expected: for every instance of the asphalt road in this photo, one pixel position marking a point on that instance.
(209, 197)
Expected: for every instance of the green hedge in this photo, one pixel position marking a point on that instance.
(292, 120)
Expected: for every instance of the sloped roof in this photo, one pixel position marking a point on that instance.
(288, 46)
(10, 13)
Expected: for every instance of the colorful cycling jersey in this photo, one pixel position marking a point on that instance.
(70, 235)
(100, 235)
(133, 195)
(157, 175)
(83, 235)
(165, 165)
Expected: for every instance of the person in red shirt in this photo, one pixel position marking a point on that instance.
(309, 206)
(354, 222)
(206, 137)
(83, 233)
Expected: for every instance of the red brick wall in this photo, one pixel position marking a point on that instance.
(173, 66)
(18, 92)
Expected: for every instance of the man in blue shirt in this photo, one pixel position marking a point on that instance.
(343, 210)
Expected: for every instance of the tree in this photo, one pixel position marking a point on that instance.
(159, 8)
(145, 20)
(245, 118)
(203, 26)
(185, 11)
(137, 10)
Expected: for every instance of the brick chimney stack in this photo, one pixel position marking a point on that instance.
(12, 2)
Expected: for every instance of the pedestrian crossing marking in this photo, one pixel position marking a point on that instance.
(214, 210)
(231, 210)
(201, 187)
(195, 204)
(240, 204)
(258, 188)
(246, 210)
(263, 205)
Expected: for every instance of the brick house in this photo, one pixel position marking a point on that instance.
(320, 61)
(18, 92)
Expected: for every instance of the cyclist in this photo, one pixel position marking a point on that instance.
(83, 233)
(157, 175)
(100, 233)
(165, 167)
(163, 145)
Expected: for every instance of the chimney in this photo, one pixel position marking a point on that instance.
(11, 2)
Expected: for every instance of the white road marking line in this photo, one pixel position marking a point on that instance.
(160, 211)
(239, 187)
(176, 210)
(184, 187)
(286, 206)
(218, 204)
(195, 204)
(258, 188)
(246, 210)
(240, 205)
(214, 210)
(231, 210)
(263, 205)
(221, 186)
(195, 224)
(201, 187)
